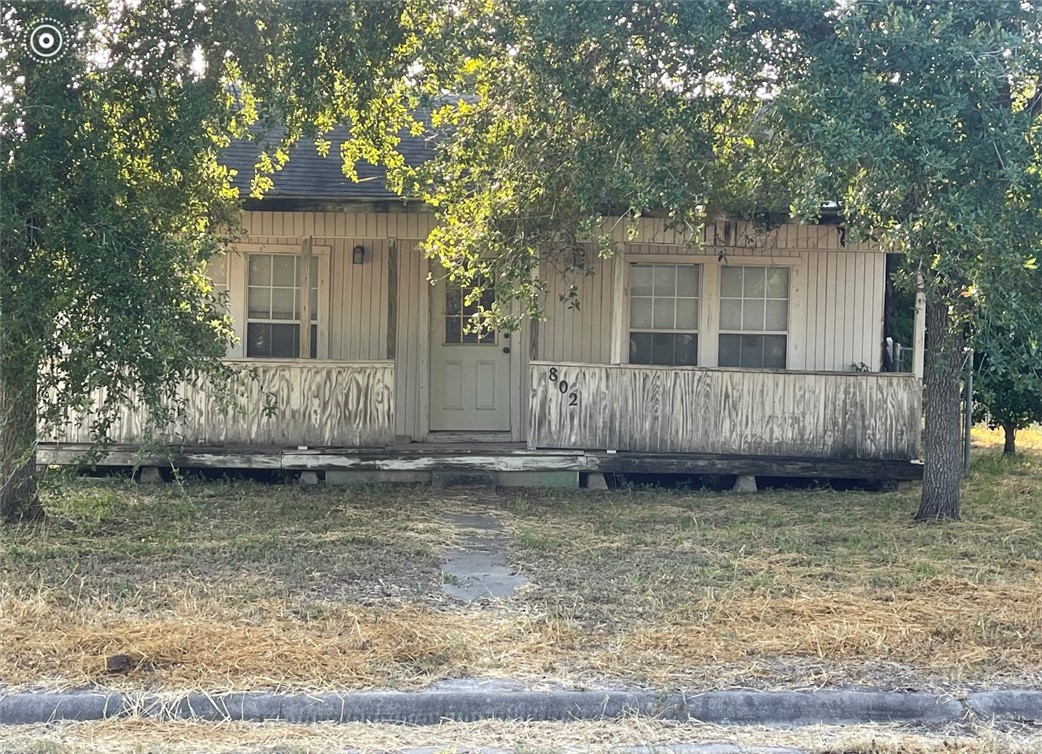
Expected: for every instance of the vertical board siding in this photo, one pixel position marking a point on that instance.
(660, 410)
(844, 310)
(413, 342)
(582, 334)
(319, 403)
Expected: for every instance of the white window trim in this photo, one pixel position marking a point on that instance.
(709, 302)
(238, 287)
(740, 332)
(697, 331)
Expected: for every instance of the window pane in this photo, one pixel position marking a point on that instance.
(751, 351)
(469, 334)
(258, 340)
(687, 280)
(469, 308)
(453, 299)
(752, 315)
(284, 270)
(314, 272)
(489, 336)
(778, 282)
(258, 303)
(665, 314)
(640, 347)
(314, 341)
(640, 313)
(314, 304)
(774, 351)
(730, 350)
(687, 313)
(662, 349)
(284, 303)
(665, 280)
(640, 280)
(731, 282)
(285, 341)
(260, 269)
(453, 332)
(754, 282)
(777, 315)
(730, 314)
(686, 350)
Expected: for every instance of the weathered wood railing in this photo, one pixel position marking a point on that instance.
(728, 411)
(346, 404)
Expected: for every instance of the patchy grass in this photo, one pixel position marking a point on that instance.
(134, 736)
(237, 585)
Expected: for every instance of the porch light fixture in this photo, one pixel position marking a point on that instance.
(358, 254)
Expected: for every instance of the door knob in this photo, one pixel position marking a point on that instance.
(506, 350)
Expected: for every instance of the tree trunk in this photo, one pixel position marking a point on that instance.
(19, 499)
(1009, 447)
(943, 437)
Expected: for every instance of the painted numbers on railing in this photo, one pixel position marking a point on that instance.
(563, 386)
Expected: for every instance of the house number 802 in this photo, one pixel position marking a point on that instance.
(562, 386)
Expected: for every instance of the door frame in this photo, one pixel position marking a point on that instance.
(518, 367)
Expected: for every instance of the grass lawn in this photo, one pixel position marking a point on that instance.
(242, 585)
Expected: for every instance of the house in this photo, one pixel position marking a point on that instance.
(755, 352)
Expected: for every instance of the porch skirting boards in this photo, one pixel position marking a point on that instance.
(414, 461)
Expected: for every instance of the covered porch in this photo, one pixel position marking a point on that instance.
(336, 419)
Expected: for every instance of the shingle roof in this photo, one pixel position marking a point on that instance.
(308, 175)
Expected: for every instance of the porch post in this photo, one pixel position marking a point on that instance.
(919, 331)
(618, 312)
(305, 299)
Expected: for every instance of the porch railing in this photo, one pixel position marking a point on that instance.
(319, 403)
(727, 411)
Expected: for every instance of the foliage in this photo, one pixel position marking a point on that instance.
(920, 123)
(576, 110)
(1008, 388)
(113, 199)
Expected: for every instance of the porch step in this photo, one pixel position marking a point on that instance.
(463, 479)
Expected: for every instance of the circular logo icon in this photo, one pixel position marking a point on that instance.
(47, 40)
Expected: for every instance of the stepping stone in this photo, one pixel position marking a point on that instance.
(479, 568)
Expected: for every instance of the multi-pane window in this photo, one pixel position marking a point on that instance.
(754, 316)
(664, 314)
(459, 314)
(273, 306)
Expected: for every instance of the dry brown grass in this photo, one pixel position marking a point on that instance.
(241, 586)
(125, 736)
(1029, 439)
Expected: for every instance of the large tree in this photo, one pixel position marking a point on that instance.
(924, 122)
(112, 198)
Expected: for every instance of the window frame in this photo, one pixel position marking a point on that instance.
(709, 304)
(720, 331)
(238, 288)
(700, 295)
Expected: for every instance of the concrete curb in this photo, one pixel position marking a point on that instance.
(769, 708)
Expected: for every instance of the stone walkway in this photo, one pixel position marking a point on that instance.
(478, 569)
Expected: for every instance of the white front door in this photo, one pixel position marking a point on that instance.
(470, 373)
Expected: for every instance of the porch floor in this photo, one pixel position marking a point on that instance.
(485, 457)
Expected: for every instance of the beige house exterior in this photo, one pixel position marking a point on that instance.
(744, 343)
